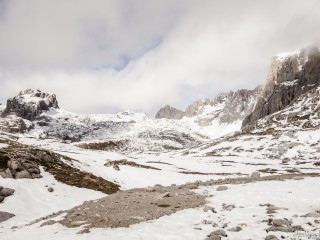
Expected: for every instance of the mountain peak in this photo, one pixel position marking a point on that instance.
(29, 103)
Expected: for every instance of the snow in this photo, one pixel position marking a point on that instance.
(3, 145)
(32, 199)
(299, 197)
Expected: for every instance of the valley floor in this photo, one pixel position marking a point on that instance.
(243, 211)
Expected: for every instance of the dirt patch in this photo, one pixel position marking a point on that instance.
(115, 164)
(111, 145)
(125, 208)
(268, 170)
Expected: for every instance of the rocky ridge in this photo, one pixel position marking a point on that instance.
(226, 107)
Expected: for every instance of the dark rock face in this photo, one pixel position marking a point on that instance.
(4, 193)
(288, 78)
(4, 216)
(30, 103)
(169, 113)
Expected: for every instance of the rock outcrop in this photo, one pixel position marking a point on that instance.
(290, 76)
(29, 104)
(169, 113)
(227, 107)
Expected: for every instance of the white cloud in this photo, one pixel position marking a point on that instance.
(177, 51)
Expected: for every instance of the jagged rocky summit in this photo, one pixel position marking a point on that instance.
(290, 76)
(227, 107)
(29, 104)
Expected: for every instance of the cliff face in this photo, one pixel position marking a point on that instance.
(289, 77)
(28, 104)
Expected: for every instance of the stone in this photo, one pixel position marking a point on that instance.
(271, 237)
(281, 229)
(207, 208)
(1, 199)
(281, 222)
(255, 175)
(228, 207)
(6, 192)
(4, 216)
(49, 222)
(219, 232)
(235, 229)
(213, 237)
(22, 174)
(50, 189)
(221, 188)
(312, 215)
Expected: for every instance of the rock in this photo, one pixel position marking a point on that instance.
(219, 232)
(6, 192)
(207, 222)
(166, 194)
(228, 207)
(1, 199)
(50, 189)
(281, 229)
(1, 188)
(149, 189)
(4, 216)
(221, 188)
(271, 237)
(50, 222)
(86, 230)
(213, 237)
(312, 215)
(235, 229)
(29, 104)
(207, 208)
(169, 113)
(281, 222)
(22, 174)
(255, 175)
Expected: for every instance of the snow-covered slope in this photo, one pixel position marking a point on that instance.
(290, 134)
(217, 117)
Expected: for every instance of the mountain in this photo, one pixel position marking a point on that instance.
(221, 115)
(290, 75)
(37, 114)
(29, 104)
(86, 176)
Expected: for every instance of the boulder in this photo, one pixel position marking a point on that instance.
(6, 192)
(4, 216)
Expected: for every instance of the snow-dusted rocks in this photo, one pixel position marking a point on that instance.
(28, 104)
(290, 76)
(4, 193)
(169, 113)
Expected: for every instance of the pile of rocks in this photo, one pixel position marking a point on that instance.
(18, 165)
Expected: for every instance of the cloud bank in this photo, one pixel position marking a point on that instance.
(108, 56)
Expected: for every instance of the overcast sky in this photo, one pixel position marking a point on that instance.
(103, 56)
